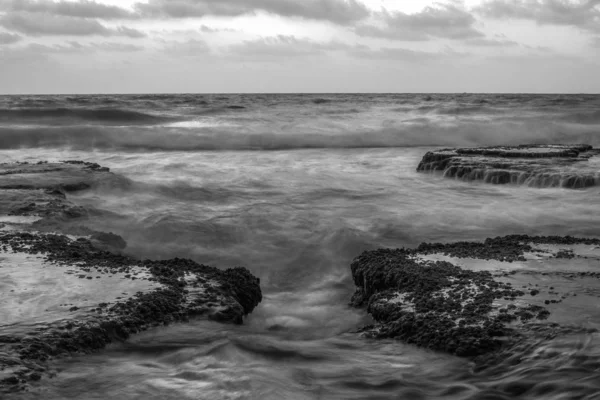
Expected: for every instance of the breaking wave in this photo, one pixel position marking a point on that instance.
(98, 115)
(420, 132)
(287, 122)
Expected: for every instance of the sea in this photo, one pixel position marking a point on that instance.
(293, 187)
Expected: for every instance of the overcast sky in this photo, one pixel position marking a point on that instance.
(209, 46)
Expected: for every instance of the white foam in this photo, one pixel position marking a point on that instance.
(18, 219)
(198, 123)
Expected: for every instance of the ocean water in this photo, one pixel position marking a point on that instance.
(294, 187)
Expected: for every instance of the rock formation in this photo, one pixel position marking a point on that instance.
(470, 298)
(61, 295)
(568, 166)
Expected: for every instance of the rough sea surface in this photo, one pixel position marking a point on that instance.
(294, 187)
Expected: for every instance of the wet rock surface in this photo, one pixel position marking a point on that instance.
(567, 166)
(478, 298)
(73, 294)
(67, 176)
(40, 189)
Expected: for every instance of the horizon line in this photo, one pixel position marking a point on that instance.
(287, 93)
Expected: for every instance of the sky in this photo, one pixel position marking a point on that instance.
(282, 46)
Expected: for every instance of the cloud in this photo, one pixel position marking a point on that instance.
(596, 42)
(128, 32)
(336, 11)
(81, 8)
(40, 24)
(446, 21)
(540, 49)
(401, 54)
(70, 48)
(115, 47)
(76, 47)
(208, 29)
(36, 52)
(584, 14)
(9, 38)
(285, 46)
(491, 42)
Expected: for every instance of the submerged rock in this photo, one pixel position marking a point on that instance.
(62, 176)
(61, 295)
(568, 166)
(471, 298)
(40, 189)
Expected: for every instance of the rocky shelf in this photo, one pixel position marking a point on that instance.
(63, 294)
(475, 298)
(567, 166)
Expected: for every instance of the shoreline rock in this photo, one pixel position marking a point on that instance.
(567, 166)
(73, 294)
(473, 298)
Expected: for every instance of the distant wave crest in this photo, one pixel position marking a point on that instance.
(419, 133)
(98, 115)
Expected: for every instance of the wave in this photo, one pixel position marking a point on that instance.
(60, 114)
(420, 133)
(208, 110)
(583, 118)
(340, 111)
(464, 110)
(321, 101)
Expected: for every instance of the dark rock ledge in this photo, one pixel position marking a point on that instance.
(568, 166)
(475, 298)
(62, 295)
